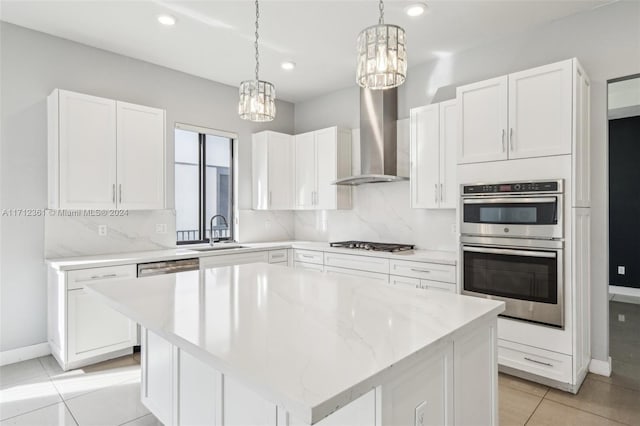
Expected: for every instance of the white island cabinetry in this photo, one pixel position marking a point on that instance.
(260, 344)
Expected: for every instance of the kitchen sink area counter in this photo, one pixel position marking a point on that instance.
(276, 342)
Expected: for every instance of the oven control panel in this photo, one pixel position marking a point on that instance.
(512, 187)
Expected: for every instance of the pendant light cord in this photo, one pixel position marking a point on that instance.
(256, 43)
(381, 7)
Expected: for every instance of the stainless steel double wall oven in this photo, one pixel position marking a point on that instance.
(512, 239)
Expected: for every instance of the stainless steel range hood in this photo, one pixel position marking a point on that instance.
(378, 138)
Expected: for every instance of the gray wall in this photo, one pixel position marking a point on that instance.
(607, 43)
(32, 65)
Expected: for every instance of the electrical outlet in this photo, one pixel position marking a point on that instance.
(453, 228)
(621, 318)
(621, 270)
(102, 230)
(161, 228)
(421, 409)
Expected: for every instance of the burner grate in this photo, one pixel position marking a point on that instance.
(367, 245)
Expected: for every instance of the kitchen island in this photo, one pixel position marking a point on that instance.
(263, 344)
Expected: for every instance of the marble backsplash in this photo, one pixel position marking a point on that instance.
(382, 213)
(262, 226)
(68, 236)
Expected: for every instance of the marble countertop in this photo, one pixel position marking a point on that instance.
(309, 342)
(96, 261)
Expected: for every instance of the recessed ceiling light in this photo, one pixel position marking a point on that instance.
(288, 65)
(167, 20)
(416, 9)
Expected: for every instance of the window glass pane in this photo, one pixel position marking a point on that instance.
(187, 187)
(218, 184)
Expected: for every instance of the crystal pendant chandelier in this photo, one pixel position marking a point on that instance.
(257, 97)
(382, 55)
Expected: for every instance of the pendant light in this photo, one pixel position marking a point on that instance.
(257, 97)
(382, 55)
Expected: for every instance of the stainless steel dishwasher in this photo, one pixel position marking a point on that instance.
(164, 267)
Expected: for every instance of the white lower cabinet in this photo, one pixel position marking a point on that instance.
(332, 270)
(308, 256)
(81, 329)
(424, 392)
(308, 266)
(363, 263)
(448, 385)
(217, 261)
(553, 365)
(423, 284)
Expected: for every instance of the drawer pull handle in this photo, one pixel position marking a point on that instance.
(539, 362)
(277, 255)
(425, 271)
(98, 277)
(308, 256)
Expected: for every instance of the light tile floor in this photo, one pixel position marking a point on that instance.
(37, 392)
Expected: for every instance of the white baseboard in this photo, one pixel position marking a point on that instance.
(25, 353)
(602, 368)
(625, 291)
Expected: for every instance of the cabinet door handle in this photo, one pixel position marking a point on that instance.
(435, 193)
(120, 193)
(539, 362)
(113, 193)
(270, 199)
(511, 139)
(441, 196)
(504, 147)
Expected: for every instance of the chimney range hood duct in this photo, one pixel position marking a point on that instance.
(378, 138)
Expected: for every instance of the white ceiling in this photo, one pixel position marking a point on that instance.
(214, 39)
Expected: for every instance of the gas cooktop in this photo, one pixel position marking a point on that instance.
(366, 245)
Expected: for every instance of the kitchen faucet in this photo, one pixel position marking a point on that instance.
(224, 220)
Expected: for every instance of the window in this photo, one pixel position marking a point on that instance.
(203, 184)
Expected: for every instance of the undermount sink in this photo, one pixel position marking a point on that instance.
(221, 246)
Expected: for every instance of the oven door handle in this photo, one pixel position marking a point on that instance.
(510, 252)
(514, 200)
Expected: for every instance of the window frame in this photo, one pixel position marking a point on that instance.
(202, 133)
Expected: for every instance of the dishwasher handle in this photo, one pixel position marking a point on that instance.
(167, 267)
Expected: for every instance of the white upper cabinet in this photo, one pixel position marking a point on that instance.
(448, 155)
(82, 151)
(104, 153)
(272, 159)
(540, 104)
(482, 111)
(433, 156)
(321, 157)
(305, 165)
(141, 155)
(523, 115)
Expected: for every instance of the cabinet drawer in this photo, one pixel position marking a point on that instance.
(423, 271)
(308, 266)
(234, 259)
(78, 279)
(437, 285)
(538, 361)
(362, 263)
(308, 256)
(356, 273)
(277, 256)
(404, 281)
